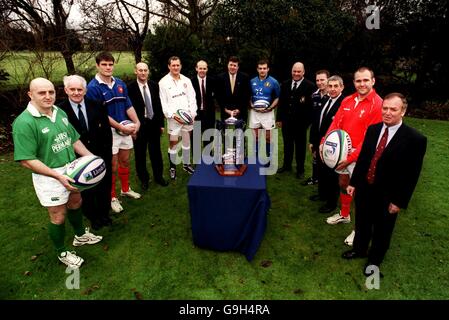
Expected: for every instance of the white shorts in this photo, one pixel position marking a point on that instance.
(261, 120)
(50, 191)
(174, 127)
(120, 142)
(348, 170)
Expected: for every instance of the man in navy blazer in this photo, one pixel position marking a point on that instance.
(97, 137)
(294, 116)
(383, 182)
(152, 126)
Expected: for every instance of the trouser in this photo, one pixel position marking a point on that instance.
(328, 187)
(149, 138)
(295, 141)
(373, 223)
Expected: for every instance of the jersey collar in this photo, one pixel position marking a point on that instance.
(35, 113)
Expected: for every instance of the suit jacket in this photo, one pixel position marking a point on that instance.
(136, 97)
(317, 131)
(98, 138)
(209, 111)
(398, 168)
(237, 100)
(296, 105)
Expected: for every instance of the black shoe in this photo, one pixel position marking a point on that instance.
(284, 169)
(96, 225)
(351, 254)
(326, 209)
(300, 175)
(106, 221)
(162, 182)
(372, 270)
(144, 185)
(309, 182)
(315, 197)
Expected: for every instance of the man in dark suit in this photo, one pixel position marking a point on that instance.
(319, 99)
(384, 179)
(90, 119)
(233, 92)
(294, 117)
(328, 188)
(144, 94)
(204, 89)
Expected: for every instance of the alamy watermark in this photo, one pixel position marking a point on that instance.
(373, 20)
(242, 142)
(73, 280)
(373, 280)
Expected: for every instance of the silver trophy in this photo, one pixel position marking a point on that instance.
(231, 130)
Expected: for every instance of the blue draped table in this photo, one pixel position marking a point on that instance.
(228, 213)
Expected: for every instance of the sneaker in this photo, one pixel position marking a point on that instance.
(350, 239)
(338, 218)
(173, 173)
(188, 168)
(116, 206)
(86, 238)
(131, 194)
(70, 259)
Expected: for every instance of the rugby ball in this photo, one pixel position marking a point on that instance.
(87, 171)
(336, 147)
(261, 104)
(183, 117)
(126, 123)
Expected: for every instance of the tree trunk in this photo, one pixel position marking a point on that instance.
(68, 58)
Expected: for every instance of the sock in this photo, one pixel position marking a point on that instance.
(185, 155)
(171, 153)
(57, 236)
(345, 200)
(113, 194)
(123, 174)
(76, 220)
(268, 150)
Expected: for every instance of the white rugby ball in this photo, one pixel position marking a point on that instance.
(336, 147)
(87, 171)
(183, 117)
(126, 123)
(261, 104)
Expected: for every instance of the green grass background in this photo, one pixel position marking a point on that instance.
(148, 253)
(23, 66)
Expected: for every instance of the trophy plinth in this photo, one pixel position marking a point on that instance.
(232, 160)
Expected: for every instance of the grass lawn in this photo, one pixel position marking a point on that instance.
(148, 252)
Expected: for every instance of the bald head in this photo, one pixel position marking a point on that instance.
(40, 82)
(298, 71)
(201, 68)
(142, 72)
(42, 94)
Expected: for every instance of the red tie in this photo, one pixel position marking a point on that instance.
(380, 148)
(203, 95)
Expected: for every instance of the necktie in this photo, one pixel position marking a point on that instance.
(203, 95)
(82, 120)
(148, 106)
(326, 110)
(232, 82)
(380, 148)
(295, 85)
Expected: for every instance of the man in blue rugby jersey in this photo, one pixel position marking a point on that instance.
(265, 91)
(112, 92)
